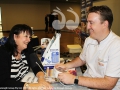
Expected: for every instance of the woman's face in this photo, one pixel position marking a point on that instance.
(22, 40)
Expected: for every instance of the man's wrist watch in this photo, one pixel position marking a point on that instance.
(76, 80)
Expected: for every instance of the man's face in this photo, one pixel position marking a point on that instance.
(95, 26)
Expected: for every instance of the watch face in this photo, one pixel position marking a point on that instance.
(76, 81)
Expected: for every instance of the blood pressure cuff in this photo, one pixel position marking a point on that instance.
(35, 63)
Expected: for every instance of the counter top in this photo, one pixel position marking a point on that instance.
(30, 77)
(58, 86)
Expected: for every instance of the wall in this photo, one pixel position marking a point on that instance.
(64, 7)
(31, 14)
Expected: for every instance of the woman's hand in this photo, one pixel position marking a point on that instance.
(38, 86)
(45, 83)
(42, 82)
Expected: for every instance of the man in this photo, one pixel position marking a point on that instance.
(101, 54)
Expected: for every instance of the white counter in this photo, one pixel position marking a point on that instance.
(58, 86)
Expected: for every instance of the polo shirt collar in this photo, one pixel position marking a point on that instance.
(106, 40)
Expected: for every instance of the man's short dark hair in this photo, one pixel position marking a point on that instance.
(105, 13)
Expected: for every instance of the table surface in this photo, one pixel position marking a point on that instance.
(58, 86)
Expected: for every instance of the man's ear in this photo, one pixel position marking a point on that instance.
(105, 23)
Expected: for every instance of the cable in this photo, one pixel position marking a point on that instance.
(41, 68)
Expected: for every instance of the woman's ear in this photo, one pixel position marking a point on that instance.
(15, 37)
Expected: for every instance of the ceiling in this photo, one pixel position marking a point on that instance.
(37, 1)
(64, 0)
(10, 1)
(71, 0)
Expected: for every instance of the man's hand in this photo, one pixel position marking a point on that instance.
(61, 67)
(66, 78)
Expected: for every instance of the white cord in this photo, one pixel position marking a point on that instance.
(41, 68)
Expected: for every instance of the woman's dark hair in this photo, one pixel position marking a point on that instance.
(17, 29)
(105, 13)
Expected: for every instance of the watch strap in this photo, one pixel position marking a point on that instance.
(76, 80)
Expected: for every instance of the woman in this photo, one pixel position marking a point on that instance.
(16, 59)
